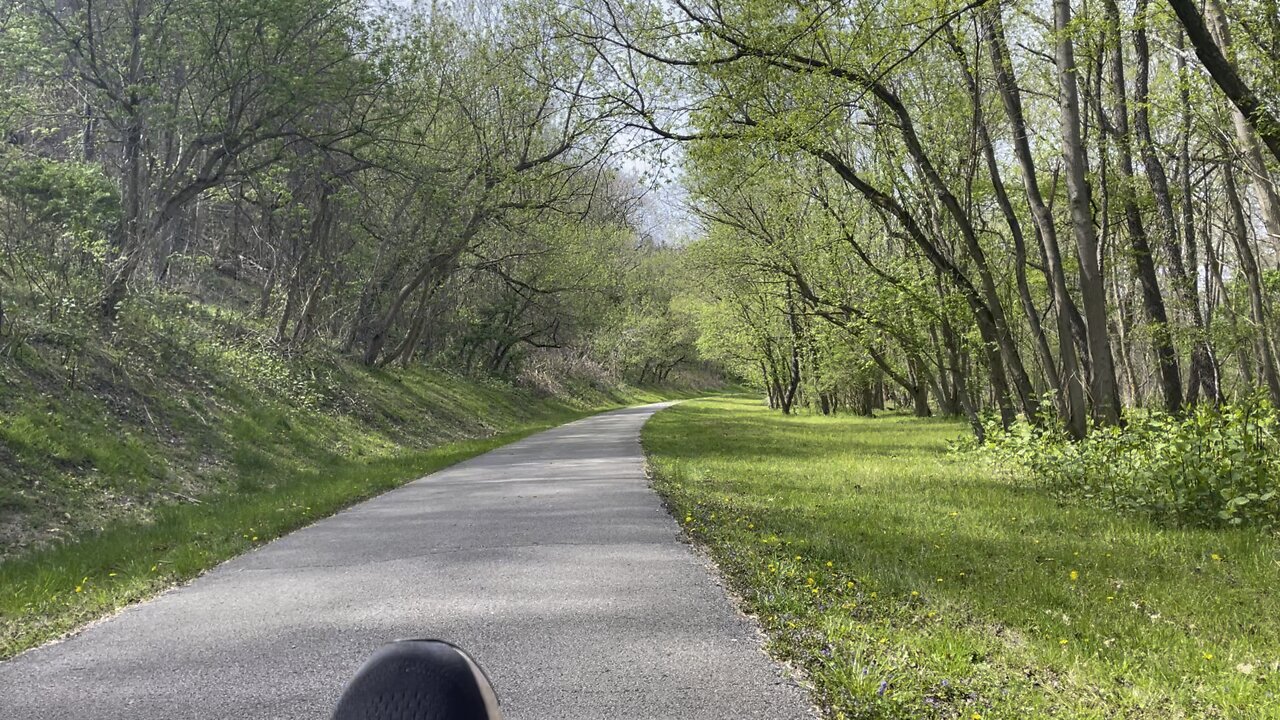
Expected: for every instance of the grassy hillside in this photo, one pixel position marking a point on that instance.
(913, 583)
(131, 464)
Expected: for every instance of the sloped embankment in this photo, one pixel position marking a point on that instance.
(128, 465)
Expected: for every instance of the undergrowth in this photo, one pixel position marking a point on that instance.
(1215, 466)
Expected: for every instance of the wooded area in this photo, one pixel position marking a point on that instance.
(1021, 207)
(263, 259)
(410, 183)
(1036, 209)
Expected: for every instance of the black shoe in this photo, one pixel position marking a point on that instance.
(419, 680)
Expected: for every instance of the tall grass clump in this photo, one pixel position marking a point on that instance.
(1212, 467)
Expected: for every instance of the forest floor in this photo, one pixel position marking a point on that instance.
(128, 466)
(909, 581)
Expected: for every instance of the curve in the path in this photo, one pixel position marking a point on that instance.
(550, 559)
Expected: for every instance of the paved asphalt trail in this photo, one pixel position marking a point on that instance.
(549, 559)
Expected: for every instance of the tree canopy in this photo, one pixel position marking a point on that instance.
(1052, 210)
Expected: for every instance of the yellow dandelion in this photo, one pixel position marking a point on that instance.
(1208, 656)
(915, 593)
(1216, 557)
(829, 564)
(1075, 575)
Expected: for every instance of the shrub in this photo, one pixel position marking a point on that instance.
(1213, 466)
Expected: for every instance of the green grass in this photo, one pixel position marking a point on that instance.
(910, 582)
(46, 592)
(128, 466)
(51, 591)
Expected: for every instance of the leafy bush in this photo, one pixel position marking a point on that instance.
(1213, 466)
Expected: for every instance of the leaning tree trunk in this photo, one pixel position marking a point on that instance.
(1263, 189)
(982, 314)
(994, 308)
(1069, 324)
(1213, 47)
(1032, 315)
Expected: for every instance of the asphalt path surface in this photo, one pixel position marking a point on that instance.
(550, 560)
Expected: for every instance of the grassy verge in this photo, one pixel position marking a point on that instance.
(912, 583)
(51, 591)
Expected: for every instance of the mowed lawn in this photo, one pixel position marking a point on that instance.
(911, 582)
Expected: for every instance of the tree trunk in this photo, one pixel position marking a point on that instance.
(1047, 362)
(125, 250)
(1144, 264)
(1214, 280)
(793, 367)
(1184, 284)
(1069, 324)
(88, 144)
(1106, 403)
(994, 309)
(125, 253)
(1253, 277)
(920, 401)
